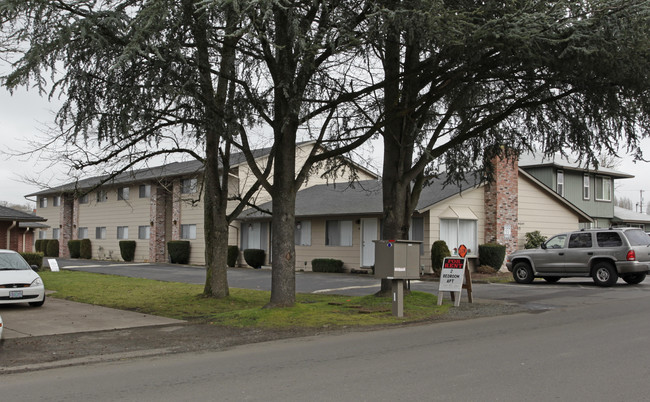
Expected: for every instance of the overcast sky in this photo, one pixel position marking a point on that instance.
(24, 115)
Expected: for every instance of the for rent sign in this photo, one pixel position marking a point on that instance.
(451, 277)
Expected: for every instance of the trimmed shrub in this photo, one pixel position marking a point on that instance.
(74, 246)
(127, 249)
(534, 239)
(85, 249)
(40, 245)
(254, 257)
(179, 251)
(439, 251)
(326, 265)
(491, 254)
(34, 259)
(52, 248)
(233, 253)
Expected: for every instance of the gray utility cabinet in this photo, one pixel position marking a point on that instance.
(397, 259)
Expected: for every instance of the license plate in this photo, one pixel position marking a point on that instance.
(15, 294)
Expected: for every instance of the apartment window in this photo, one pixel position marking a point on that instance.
(102, 196)
(55, 233)
(338, 233)
(82, 233)
(188, 186)
(603, 188)
(188, 232)
(254, 235)
(42, 234)
(42, 202)
(123, 193)
(123, 232)
(83, 199)
(460, 231)
(56, 200)
(560, 182)
(100, 232)
(586, 193)
(144, 232)
(416, 231)
(145, 191)
(302, 234)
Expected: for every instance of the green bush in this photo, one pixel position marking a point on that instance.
(52, 248)
(491, 254)
(534, 239)
(74, 246)
(254, 257)
(127, 249)
(86, 249)
(34, 259)
(40, 245)
(179, 251)
(439, 251)
(326, 265)
(233, 253)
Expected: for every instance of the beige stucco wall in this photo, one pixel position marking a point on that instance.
(350, 255)
(541, 211)
(112, 213)
(52, 214)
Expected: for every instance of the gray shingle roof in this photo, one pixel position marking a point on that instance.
(625, 215)
(530, 161)
(358, 198)
(10, 214)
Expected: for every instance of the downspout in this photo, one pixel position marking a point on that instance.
(25, 238)
(13, 225)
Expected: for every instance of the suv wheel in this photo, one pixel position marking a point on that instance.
(604, 274)
(635, 279)
(523, 273)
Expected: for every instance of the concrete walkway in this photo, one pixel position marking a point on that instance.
(58, 316)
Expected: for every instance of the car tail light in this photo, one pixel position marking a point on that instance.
(631, 255)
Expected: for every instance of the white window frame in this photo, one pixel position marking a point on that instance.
(454, 230)
(147, 232)
(123, 193)
(100, 232)
(82, 233)
(189, 186)
(56, 201)
(123, 232)
(338, 233)
(560, 182)
(605, 184)
(42, 202)
(586, 189)
(102, 196)
(302, 236)
(144, 191)
(42, 234)
(56, 232)
(188, 231)
(83, 199)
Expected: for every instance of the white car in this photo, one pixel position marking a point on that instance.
(19, 283)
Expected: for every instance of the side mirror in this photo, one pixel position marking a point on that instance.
(34, 267)
(543, 246)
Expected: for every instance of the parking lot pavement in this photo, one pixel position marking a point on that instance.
(58, 316)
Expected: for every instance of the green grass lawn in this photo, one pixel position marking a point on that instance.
(243, 308)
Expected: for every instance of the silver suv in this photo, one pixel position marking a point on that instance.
(603, 254)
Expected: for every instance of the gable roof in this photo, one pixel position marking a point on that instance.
(627, 216)
(358, 198)
(10, 214)
(559, 162)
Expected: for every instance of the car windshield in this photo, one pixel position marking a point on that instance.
(12, 261)
(637, 237)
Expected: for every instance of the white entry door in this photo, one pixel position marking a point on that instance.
(368, 234)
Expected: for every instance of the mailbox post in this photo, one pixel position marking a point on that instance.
(397, 260)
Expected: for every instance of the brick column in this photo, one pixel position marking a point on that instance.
(176, 210)
(158, 216)
(502, 204)
(75, 219)
(66, 219)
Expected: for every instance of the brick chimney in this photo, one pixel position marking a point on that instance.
(502, 204)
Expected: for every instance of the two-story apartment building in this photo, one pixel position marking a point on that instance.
(153, 206)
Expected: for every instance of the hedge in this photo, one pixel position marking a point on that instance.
(179, 251)
(254, 257)
(52, 248)
(41, 245)
(34, 259)
(439, 251)
(233, 253)
(326, 265)
(86, 249)
(74, 246)
(491, 254)
(127, 249)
